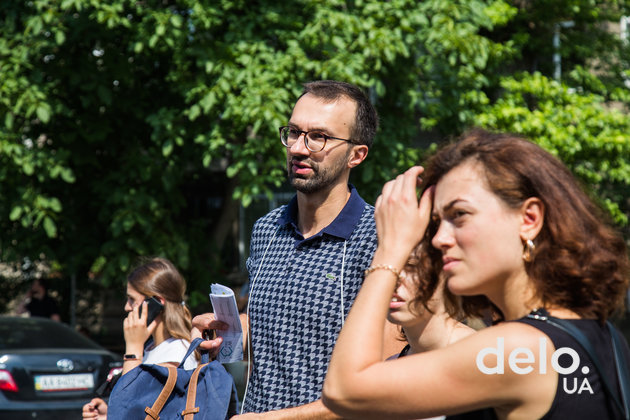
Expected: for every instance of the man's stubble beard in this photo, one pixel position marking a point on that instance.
(320, 179)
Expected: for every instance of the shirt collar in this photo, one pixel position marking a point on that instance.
(343, 225)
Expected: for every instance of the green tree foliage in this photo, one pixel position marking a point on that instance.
(136, 128)
(581, 129)
(583, 117)
(585, 34)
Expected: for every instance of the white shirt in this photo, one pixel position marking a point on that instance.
(171, 350)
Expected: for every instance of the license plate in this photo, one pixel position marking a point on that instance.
(72, 382)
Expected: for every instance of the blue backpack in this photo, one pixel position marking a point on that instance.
(152, 391)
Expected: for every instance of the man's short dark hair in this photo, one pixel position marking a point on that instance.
(366, 118)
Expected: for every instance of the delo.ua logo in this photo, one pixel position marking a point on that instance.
(520, 361)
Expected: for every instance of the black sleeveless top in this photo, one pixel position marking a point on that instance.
(580, 394)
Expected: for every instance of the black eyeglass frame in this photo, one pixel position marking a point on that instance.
(284, 138)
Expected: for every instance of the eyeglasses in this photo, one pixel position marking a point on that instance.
(314, 141)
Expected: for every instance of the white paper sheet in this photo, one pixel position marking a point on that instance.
(225, 310)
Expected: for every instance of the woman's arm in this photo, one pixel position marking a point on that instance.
(445, 381)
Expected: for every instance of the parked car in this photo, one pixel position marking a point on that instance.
(48, 370)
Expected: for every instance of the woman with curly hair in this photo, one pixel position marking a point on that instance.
(514, 235)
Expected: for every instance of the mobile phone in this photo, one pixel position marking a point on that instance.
(154, 307)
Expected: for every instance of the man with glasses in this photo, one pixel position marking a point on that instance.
(307, 258)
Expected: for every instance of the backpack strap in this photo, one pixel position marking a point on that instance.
(193, 346)
(574, 332)
(153, 413)
(191, 394)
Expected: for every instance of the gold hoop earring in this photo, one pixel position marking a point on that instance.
(528, 252)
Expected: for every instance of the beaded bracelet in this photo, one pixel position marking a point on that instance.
(383, 267)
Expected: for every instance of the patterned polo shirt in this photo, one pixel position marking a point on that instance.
(300, 289)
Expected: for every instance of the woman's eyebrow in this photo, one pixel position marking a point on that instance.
(447, 207)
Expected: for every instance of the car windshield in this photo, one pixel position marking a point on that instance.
(37, 333)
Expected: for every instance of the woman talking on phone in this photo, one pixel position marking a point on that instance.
(511, 231)
(155, 289)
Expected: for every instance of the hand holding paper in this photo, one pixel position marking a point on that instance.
(225, 310)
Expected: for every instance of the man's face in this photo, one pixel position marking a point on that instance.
(311, 172)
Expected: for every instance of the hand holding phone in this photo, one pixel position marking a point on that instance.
(154, 308)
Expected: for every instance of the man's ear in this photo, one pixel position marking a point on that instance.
(357, 155)
(533, 217)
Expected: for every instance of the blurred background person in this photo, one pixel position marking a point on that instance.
(38, 302)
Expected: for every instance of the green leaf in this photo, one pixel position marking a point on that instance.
(8, 120)
(67, 175)
(167, 148)
(60, 37)
(55, 205)
(50, 227)
(98, 264)
(43, 113)
(28, 168)
(16, 212)
(194, 112)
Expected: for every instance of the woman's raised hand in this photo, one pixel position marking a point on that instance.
(401, 219)
(135, 328)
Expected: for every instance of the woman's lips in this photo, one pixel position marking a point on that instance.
(396, 302)
(449, 263)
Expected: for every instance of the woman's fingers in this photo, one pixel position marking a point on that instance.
(152, 327)
(401, 193)
(426, 206)
(387, 189)
(411, 180)
(401, 218)
(135, 326)
(135, 317)
(402, 189)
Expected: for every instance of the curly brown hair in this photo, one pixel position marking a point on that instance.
(580, 261)
(426, 281)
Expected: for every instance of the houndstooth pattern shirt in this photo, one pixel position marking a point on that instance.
(295, 304)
